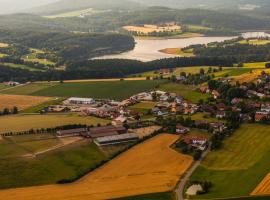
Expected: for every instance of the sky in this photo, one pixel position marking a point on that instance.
(10, 6)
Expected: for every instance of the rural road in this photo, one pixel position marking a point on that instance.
(181, 185)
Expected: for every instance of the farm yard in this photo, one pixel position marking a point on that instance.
(238, 168)
(15, 123)
(21, 102)
(264, 187)
(120, 177)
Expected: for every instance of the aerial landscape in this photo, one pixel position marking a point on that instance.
(135, 100)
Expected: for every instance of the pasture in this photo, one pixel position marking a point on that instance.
(264, 187)
(185, 91)
(66, 162)
(15, 123)
(150, 167)
(117, 90)
(143, 107)
(21, 102)
(21, 66)
(239, 166)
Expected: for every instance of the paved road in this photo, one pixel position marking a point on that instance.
(181, 185)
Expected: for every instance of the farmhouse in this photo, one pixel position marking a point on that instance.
(181, 129)
(196, 142)
(82, 101)
(116, 139)
(259, 116)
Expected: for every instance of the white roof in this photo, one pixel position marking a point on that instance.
(80, 99)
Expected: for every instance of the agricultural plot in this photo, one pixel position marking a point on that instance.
(250, 76)
(150, 167)
(3, 45)
(28, 89)
(254, 42)
(15, 123)
(241, 164)
(76, 13)
(20, 66)
(21, 102)
(117, 90)
(255, 65)
(148, 28)
(185, 91)
(155, 196)
(264, 187)
(66, 162)
(177, 51)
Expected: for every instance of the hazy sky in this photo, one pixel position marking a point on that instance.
(8, 6)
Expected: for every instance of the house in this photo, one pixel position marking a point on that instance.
(57, 108)
(119, 120)
(72, 132)
(220, 114)
(116, 139)
(215, 94)
(181, 129)
(196, 142)
(265, 107)
(218, 127)
(81, 101)
(11, 83)
(236, 100)
(260, 116)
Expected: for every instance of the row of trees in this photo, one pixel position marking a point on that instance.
(7, 111)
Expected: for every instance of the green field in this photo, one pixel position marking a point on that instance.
(254, 42)
(185, 91)
(255, 65)
(155, 196)
(232, 72)
(20, 66)
(143, 107)
(67, 162)
(17, 123)
(2, 55)
(2, 86)
(117, 90)
(239, 166)
(192, 27)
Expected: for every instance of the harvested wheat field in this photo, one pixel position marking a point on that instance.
(22, 102)
(147, 168)
(263, 188)
(248, 77)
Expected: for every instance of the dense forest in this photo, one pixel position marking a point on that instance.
(70, 46)
(234, 49)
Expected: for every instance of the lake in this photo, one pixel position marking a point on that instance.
(147, 50)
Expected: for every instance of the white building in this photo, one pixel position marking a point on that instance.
(84, 101)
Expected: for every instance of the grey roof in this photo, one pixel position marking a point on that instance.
(117, 137)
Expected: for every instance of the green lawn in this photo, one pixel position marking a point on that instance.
(184, 90)
(155, 196)
(48, 168)
(117, 90)
(143, 107)
(239, 166)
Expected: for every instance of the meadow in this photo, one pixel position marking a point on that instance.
(240, 165)
(143, 107)
(117, 90)
(150, 167)
(185, 91)
(25, 122)
(21, 101)
(50, 167)
(255, 42)
(21, 66)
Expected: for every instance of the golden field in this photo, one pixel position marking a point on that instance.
(147, 168)
(20, 101)
(249, 77)
(263, 188)
(3, 45)
(149, 28)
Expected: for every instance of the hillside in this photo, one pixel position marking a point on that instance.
(72, 5)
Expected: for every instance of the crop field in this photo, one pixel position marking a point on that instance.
(117, 90)
(255, 42)
(148, 28)
(255, 65)
(69, 161)
(264, 187)
(3, 45)
(241, 164)
(192, 27)
(150, 167)
(185, 91)
(22, 122)
(21, 102)
(29, 89)
(177, 51)
(248, 77)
